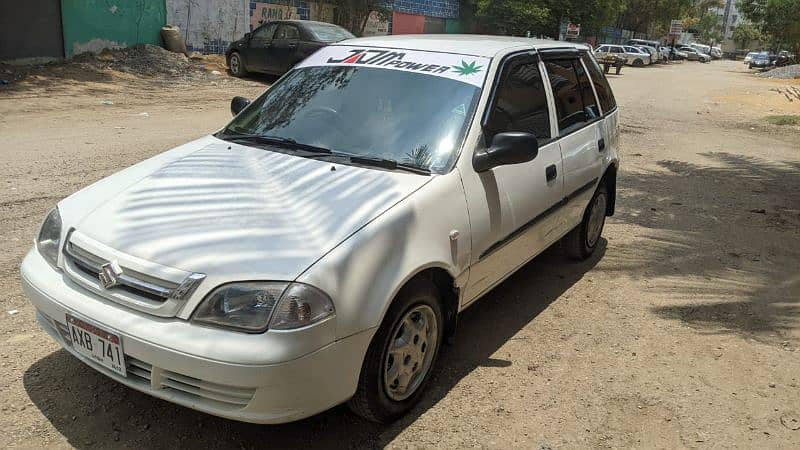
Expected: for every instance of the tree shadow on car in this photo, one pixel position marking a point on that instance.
(91, 410)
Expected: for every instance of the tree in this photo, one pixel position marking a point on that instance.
(778, 19)
(709, 28)
(744, 34)
(353, 14)
(514, 17)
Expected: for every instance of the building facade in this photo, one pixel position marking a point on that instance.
(210, 25)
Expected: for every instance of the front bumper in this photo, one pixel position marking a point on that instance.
(159, 364)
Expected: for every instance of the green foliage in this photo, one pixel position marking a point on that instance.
(745, 33)
(709, 28)
(512, 17)
(783, 120)
(353, 14)
(779, 20)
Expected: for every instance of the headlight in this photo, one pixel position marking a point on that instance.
(254, 307)
(49, 240)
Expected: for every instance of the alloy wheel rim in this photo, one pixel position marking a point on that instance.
(410, 353)
(235, 64)
(597, 218)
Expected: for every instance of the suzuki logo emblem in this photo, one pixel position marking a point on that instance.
(109, 274)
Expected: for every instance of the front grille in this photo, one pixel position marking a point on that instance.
(231, 396)
(134, 282)
(127, 279)
(220, 395)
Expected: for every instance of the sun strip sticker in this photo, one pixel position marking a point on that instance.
(464, 68)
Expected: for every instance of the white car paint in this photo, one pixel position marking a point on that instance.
(236, 213)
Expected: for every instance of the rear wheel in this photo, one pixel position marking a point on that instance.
(236, 65)
(638, 62)
(401, 356)
(581, 242)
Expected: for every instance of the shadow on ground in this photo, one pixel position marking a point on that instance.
(714, 239)
(91, 410)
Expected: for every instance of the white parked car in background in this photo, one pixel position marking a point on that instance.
(633, 56)
(319, 248)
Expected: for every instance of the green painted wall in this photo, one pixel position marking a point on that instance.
(453, 26)
(92, 25)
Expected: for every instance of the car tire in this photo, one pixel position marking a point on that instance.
(581, 242)
(236, 65)
(638, 62)
(379, 399)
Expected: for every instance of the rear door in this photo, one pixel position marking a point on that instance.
(284, 46)
(579, 137)
(257, 53)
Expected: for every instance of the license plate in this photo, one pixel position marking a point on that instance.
(99, 345)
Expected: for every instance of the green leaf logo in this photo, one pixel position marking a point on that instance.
(467, 69)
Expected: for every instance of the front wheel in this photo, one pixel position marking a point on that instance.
(401, 356)
(236, 65)
(581, 242)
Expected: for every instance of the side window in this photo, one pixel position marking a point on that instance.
(616, 50)
(289, 32)
(265, 32)
(567, 94)
(520, 102)
(604, 93)
(602, 49)
(587, 94)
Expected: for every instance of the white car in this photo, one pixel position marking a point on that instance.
(318, 249)
(634, 56)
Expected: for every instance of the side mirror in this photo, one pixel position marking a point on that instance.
(247, 36)
(238, 104)
(511, 147)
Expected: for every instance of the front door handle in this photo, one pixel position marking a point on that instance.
(550, 172)
(601, 145)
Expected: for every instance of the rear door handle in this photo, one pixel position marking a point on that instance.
(601, 145)
(550, 172)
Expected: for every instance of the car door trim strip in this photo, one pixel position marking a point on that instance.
(516, 233)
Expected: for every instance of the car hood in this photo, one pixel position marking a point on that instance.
(236, 211)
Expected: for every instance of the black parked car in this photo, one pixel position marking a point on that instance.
(276, 47)
(762, 60)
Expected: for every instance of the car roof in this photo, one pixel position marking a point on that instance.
(466, 44)
(302, 22)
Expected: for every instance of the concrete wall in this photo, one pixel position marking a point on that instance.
(209, 25)
(92, 25)
(403, 23)
(30, 29)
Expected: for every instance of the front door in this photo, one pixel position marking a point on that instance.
(513, 208)
(258, 49)
(579, 133)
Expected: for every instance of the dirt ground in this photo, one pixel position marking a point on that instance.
(682, 331)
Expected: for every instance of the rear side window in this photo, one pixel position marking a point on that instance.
(520, 100)
(287, 32)
(567, 94)
(604, 93)
(587, 94)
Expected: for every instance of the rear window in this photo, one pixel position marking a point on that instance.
(604, 93)
(329, 33)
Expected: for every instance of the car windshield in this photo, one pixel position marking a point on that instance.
(416, 119)
(329, 33)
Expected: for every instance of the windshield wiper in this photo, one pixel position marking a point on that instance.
(275, 140)
(389, 164)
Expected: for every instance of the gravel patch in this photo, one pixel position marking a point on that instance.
(783, 73)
